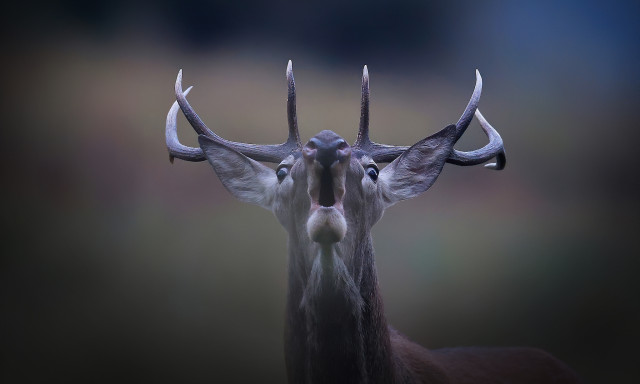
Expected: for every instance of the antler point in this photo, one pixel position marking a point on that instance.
(178, 86)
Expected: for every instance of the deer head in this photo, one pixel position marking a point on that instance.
(328, 192)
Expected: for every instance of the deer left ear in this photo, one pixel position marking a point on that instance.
(245, 178)
(417, 168)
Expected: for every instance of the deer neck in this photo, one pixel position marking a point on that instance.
(336, 330)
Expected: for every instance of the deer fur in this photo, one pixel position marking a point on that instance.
(328, 195)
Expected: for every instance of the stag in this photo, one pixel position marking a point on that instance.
(328, 194)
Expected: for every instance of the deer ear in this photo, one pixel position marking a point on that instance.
(417, 168)
(246, 179)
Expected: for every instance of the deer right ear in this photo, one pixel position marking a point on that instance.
(417, 168)
(246, 179)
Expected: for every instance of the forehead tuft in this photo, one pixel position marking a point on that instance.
(327, 136)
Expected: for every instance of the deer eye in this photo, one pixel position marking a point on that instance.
(282, 173)
(372, 171)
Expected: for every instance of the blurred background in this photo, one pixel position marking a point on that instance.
(118, 266)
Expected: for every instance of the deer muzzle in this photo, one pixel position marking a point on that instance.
(327, 158)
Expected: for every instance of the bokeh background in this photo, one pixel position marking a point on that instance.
(120, 267)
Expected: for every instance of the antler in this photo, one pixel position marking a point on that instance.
(362, 140)
(273, 153)
(387, 153)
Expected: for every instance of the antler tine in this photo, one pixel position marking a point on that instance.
(191, 115)
(292, 117)
(470, 110)
(273, 153)
(362, 140)
(176, 149)
(495, 148)
(379, 152)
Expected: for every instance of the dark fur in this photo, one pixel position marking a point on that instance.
(336, 345)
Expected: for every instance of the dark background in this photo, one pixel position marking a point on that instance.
(120, 267)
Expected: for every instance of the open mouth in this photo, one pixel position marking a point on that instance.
(326, 197)
(326, 185)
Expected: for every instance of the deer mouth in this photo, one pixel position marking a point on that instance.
(326, 188)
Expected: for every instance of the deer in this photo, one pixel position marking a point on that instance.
(327, 195)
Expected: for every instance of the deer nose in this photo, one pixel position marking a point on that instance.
(326, 152)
